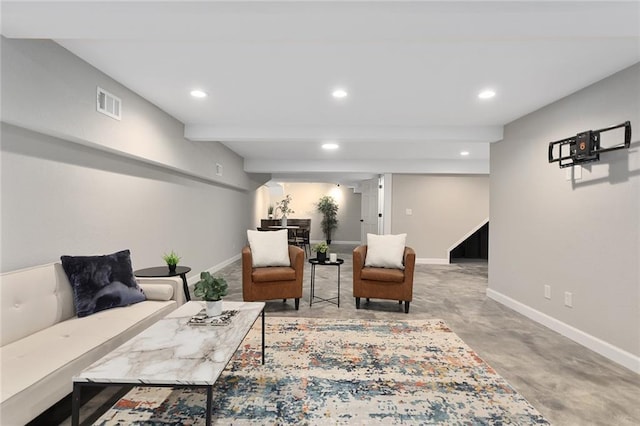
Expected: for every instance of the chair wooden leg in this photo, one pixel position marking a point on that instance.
(284, 300)
(368, 300)
(406, 307)
(357, 303)
(297, 303)
(399, 302)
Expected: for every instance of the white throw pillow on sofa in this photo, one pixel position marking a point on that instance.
(269, 248)
(385, 251)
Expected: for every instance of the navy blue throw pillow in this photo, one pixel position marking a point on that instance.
(102, 282)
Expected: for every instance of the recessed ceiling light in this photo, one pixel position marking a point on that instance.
(464, 153)
(339, 93)
(330, 146)
(198, 94)
(486, 94)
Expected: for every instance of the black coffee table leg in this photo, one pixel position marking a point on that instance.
(262, 336)
(209, 404)
(75, 405)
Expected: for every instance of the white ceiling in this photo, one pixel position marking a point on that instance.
(412, 70)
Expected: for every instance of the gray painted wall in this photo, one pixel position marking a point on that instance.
(78, 182)
(47, 89)
(445, 210)
(579, 236)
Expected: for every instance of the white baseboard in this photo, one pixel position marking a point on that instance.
(431, 261)
(615, 354)
(195, 278)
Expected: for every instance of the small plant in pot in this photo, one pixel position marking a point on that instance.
(321, 251)
(172, 259)
(211, 289)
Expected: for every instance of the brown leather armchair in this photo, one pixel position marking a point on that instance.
(273, 282)
(383, 283)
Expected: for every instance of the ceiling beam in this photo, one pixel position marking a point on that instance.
(380, 133)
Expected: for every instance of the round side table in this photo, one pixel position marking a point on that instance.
(163, 272)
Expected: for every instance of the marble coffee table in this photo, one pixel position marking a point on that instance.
(173, 353)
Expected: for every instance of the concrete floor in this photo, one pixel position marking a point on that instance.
(567, 383)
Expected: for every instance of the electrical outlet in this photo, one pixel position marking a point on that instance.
(547, 292)
(573, 173)
(409, 212)
(568, 299)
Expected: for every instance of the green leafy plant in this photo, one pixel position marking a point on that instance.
(320, 247)
(172, 259)
(270, 211)
(210, 288)
(283, 206)
(329, 209)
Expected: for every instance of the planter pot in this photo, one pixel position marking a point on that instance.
(214, 309)
(322, 257)
(172, 268)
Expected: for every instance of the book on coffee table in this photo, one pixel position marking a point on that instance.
(201, 318)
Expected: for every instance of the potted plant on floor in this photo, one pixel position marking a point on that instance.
(321, 251)
(329, 209)
(211, 289)
(172, 260)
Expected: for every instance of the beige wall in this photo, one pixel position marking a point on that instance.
(305, 196)
(581, 236)
(445, 209)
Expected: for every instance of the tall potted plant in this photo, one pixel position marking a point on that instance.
(284, 208)
(211, 290)
(329, 209)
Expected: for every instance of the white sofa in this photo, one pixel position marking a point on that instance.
(44, 344)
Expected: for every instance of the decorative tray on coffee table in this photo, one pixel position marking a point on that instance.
(201, 318)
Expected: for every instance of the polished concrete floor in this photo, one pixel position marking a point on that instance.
(567, 383)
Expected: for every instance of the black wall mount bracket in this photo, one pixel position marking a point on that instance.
(585, 146)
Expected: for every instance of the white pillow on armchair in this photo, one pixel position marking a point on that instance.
(269, 248)
(385, 251)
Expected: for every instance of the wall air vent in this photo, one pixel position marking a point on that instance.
(108, 104)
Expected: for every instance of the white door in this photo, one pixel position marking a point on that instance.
(369, 209)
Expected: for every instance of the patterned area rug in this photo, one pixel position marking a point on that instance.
(321, 371)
